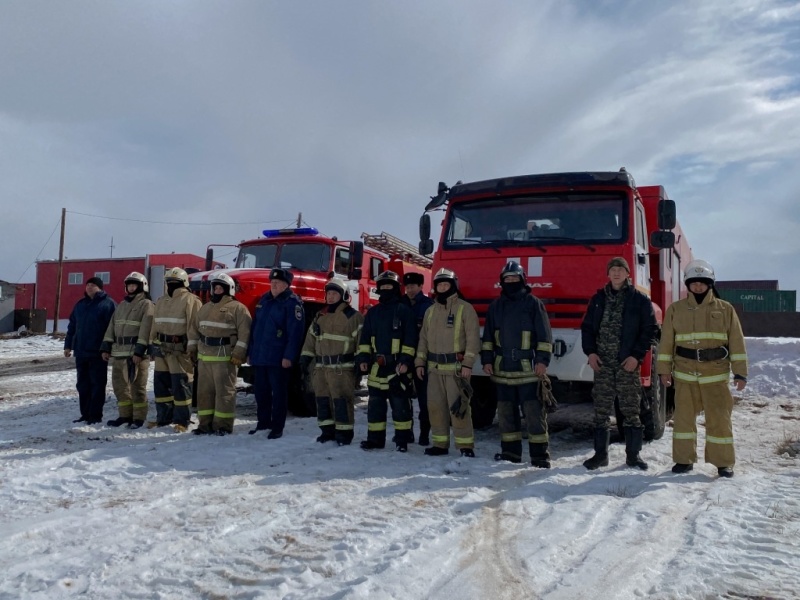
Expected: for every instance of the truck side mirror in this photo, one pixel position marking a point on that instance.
(209, 258)
(426, 247)
(356, 255)
(425, 227)
(355, 274)
(662, 239)
(666, 214)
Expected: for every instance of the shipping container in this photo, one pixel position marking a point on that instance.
(764, 284)
(761, 300)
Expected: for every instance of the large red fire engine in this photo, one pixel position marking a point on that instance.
(313, 258)
(562, 228)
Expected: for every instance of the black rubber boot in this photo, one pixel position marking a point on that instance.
(424, 435)
(80, 420)
(509, 457)
(328, 434)
(682, 468)
(540, 456)
(633, 445)
(259, 427)
(119, 421)
(725, 472)
(436, 451)
(275, 434)
(136, 424)
(600, 458)
(468, 452)
(370, 445)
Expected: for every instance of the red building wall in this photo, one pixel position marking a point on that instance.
(47, 273)
(184, 261)
(25, 296)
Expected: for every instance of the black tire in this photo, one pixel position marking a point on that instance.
(484, 402)
(654, 405)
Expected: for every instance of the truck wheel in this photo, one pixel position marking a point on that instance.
(484, 402)
(654, 406)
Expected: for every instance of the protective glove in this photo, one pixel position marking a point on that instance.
(305, 362)
(192, 352)
(155, 351)
(460, 407)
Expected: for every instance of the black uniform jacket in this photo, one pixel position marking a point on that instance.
(639, 327)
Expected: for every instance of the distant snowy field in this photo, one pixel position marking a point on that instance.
(97, 512)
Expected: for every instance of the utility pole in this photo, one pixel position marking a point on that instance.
(60, 270)
(112, 247)
(299, 219)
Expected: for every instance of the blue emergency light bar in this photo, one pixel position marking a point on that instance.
(298, 231)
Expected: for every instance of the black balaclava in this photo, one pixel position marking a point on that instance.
(700, 297)
(172, 286)
(386, 296)
(441, 297)
(513, 289)
(217, 297)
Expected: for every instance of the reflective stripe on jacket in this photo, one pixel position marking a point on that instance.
(711, 324)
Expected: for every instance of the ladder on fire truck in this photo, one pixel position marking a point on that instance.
(393, 246)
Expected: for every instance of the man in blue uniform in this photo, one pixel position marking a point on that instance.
(275, 339)
(87, 324)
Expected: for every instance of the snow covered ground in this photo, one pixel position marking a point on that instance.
(97, 512)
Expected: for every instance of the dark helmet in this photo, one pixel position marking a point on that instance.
(388, 277)
(512, 268)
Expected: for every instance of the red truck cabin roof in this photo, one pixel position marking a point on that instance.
(563, 228)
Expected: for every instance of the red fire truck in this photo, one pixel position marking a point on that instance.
(562, 228)
(313, 258)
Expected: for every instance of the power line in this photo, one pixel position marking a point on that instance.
(40, 251)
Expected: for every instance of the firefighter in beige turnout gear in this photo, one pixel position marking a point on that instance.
(331, 343)
(218, 340)
(701, 343)
(449, 345)
(172, 380)
(126, 341)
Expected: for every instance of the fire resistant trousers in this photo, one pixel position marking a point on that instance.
(130, 387)
(690, 400)
(334, 390)
(172, 384)
(216, 395)
(509, 400)
(443, 392)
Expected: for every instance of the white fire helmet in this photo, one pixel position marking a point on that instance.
(337, 284)
(177, 274)
(699, 270)
(137, 277)
(445, 275)
(224, 280)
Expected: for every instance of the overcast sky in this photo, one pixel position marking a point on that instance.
(352, 111)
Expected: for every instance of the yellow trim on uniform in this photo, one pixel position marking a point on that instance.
(165, 399)
(734, 357)
(325, 422)
(539, 438)
(465, 440)
(376, 426)
(701, 335)
(676, 435)
(224, 415)
(718, 440)
(511, 437)
(689, 378)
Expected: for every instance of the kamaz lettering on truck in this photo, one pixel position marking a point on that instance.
(562, 228)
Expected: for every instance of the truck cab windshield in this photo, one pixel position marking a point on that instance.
(304, 257)
(583, 218)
